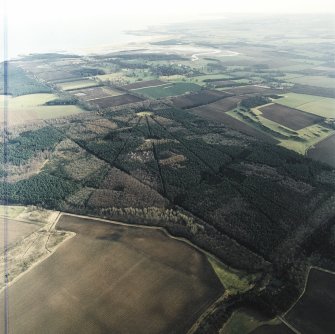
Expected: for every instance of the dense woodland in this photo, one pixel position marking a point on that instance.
(19, 83)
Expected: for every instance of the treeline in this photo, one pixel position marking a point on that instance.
(63, 101)
(88, 72)
(42, 189)
(254, 101)
(19, 82)
(173, 69)
(129, 65)
(181, 224)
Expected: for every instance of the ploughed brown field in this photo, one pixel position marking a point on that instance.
(113, 101)
(314, 312)
(17, 230)
(222, 105)
(144, 84)
(324, 151)
(251, 89)
(113, 279)
(291, 118)
(217, 112)
(198, 99)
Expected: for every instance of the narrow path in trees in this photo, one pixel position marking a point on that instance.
(154, 150)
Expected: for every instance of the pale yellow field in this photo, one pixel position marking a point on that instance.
(77, 84)
(31, 107)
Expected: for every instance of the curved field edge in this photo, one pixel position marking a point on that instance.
(234, 280)
(97, 233)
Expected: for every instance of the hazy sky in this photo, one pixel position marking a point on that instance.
(42, 25)
(28, 10)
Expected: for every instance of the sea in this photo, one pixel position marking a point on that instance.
(78, 38)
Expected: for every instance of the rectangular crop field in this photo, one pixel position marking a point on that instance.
(223, 105)
(114, 279)
(317, 105)
(197, 99)
(172, 89)
(144, 84)
(93, 93)
(113, 101)
(77, 84)
(289, 117)
(251, 89)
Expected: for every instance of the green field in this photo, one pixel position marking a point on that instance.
(244, 321)
(32, 107)
(77, 84)
(168, 90)
(233, 280)
(317, 105)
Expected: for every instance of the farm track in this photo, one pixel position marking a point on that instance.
(286, 323)
(52, 226)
